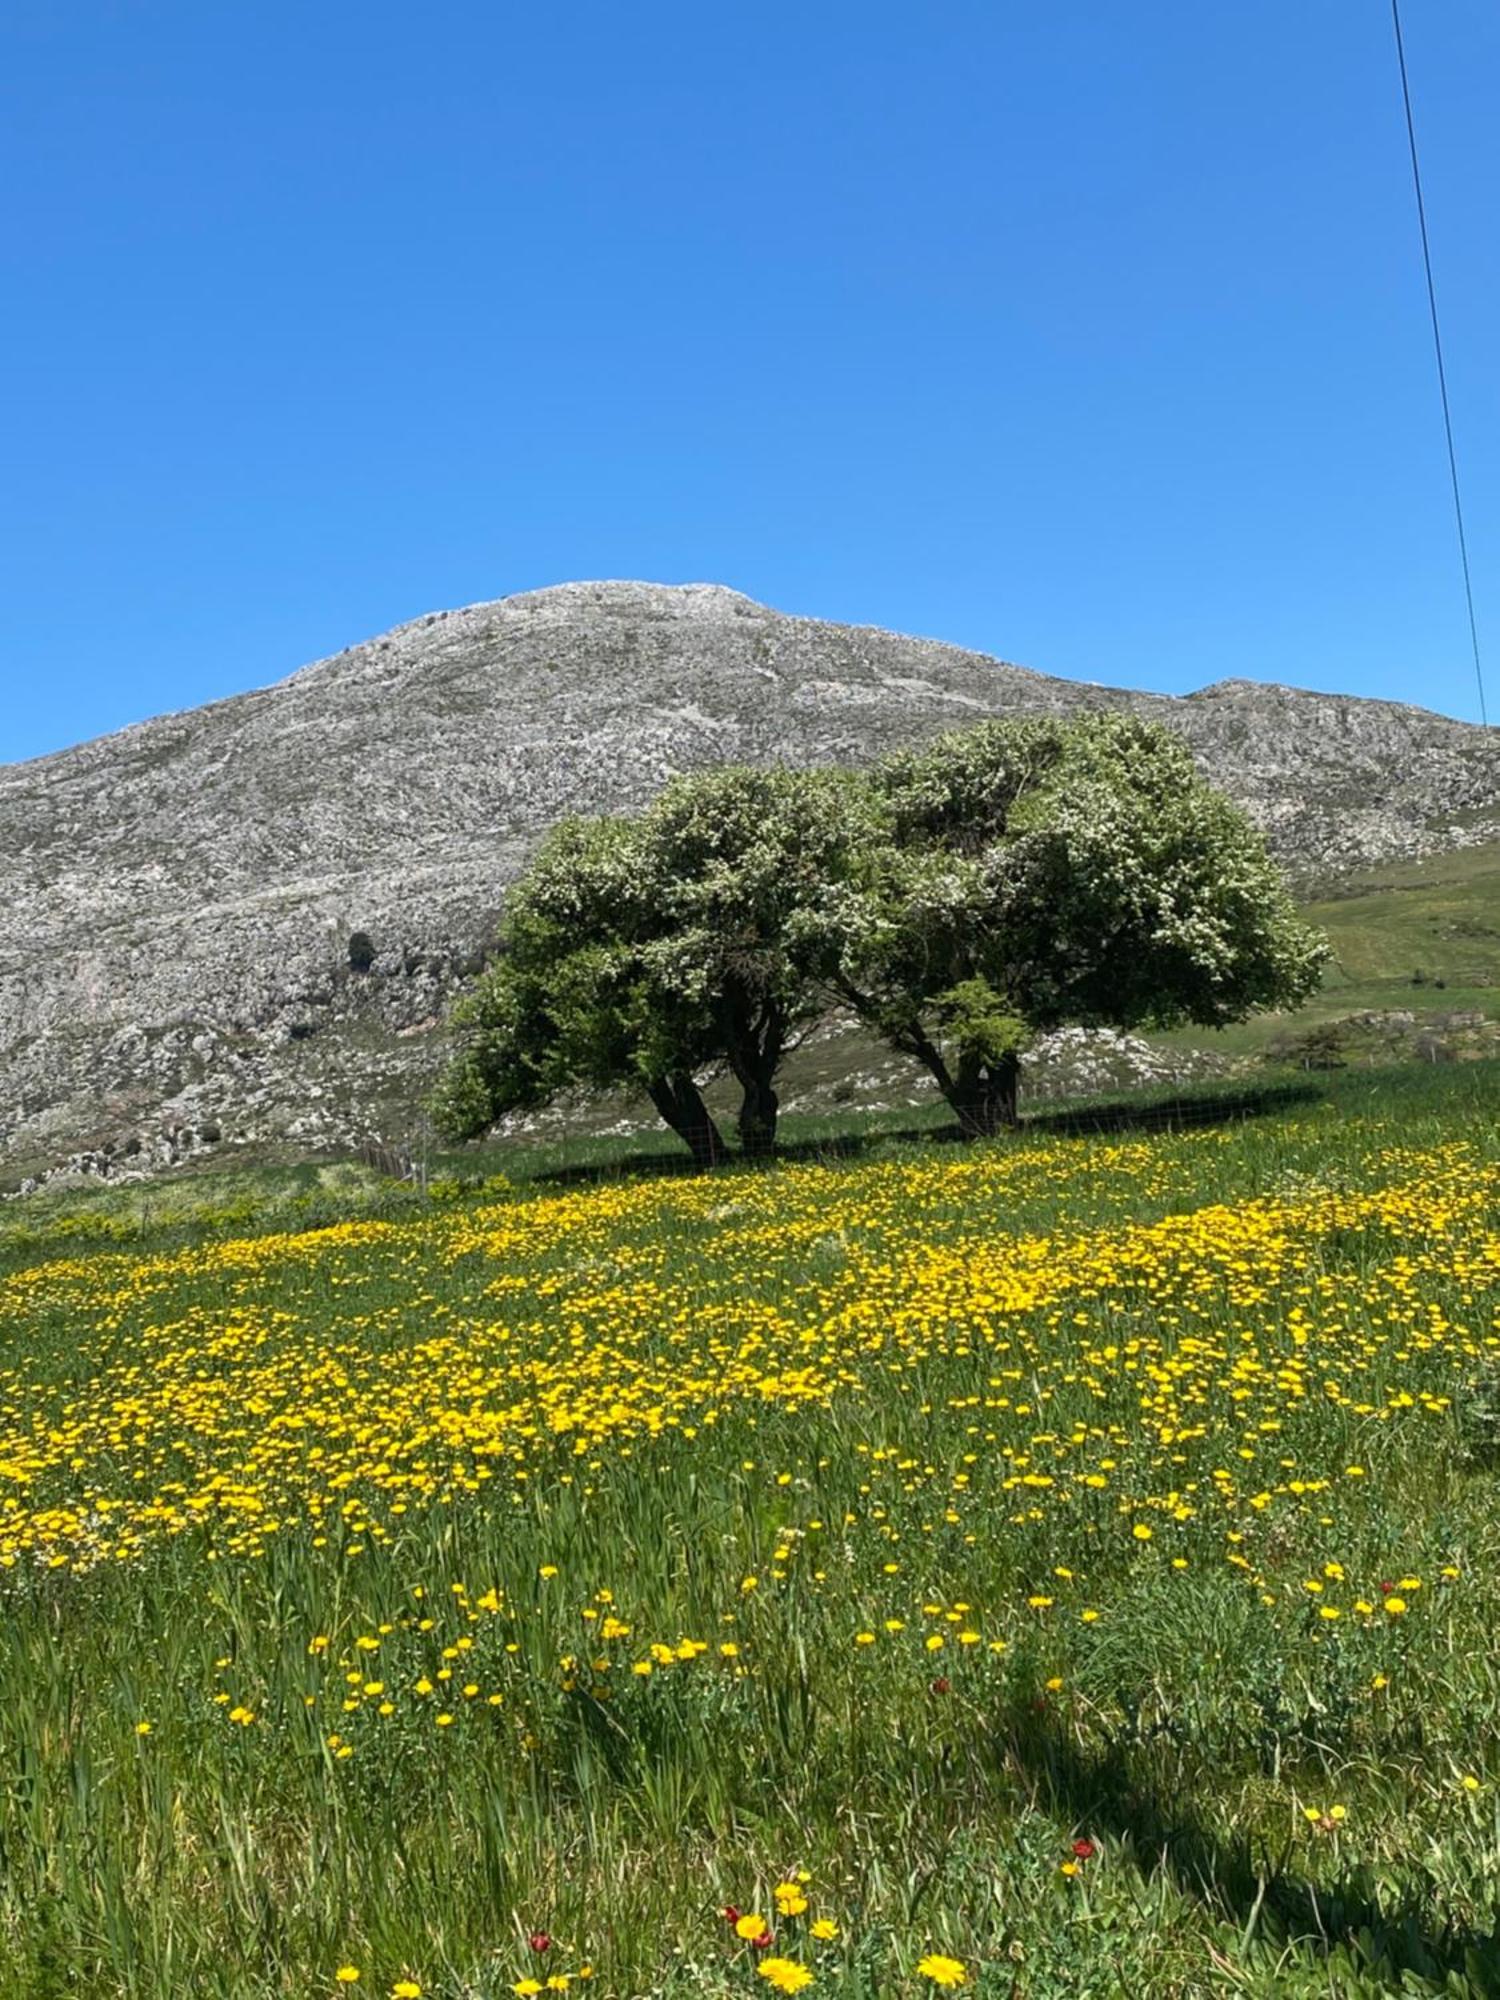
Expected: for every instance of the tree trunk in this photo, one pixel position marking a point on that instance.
(983, 1096)
(680, 1103)
(757, 1120)
(754, 1038)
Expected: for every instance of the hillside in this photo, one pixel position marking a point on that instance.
(1053, 1567)
(243, 922)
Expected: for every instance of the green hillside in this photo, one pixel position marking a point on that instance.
(1438, 917)
(1059, 1566)
(1418, 938)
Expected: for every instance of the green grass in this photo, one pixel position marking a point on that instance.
(1418, 937)
(1439, 917)
(894, 1381)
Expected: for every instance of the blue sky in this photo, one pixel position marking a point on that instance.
(1091, 335)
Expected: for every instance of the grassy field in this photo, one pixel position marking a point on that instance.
(1063, 1566)
(1418, 937)
(1439, 917)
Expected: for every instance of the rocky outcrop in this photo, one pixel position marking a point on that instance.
(246, 919)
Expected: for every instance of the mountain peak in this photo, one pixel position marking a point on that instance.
(628, 597)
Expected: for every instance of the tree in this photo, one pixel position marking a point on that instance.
(645, 951)
(999, 882)
(568, 999)
(742, 870)
(1043, 872)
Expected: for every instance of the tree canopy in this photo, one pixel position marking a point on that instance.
(1047, 872)
(643, 952)
(960, 898)
(570, 998)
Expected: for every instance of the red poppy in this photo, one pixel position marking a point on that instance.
(1386, 1589)
(1085, 1849)
(730, 1914)
(763, 1942)
(539, 1941)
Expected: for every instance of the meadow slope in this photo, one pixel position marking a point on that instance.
(1062, 1566)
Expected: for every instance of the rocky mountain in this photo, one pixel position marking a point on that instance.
(244, 921)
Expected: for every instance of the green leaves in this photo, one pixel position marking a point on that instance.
(687, 940)
(978, 1019)
(991, 884)
(1049, 872)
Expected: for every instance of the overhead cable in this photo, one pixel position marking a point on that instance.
(1437, 346)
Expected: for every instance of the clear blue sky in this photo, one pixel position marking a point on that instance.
(1087, 333)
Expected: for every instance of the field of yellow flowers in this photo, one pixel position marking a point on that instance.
(1064, 1566)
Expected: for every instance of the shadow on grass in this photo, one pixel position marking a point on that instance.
(1125, 1114)
(1172, 1114)
(1337, 1926)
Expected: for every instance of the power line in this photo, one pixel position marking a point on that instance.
(1437, 345)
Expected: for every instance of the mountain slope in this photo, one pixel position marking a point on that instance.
(179, 899)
